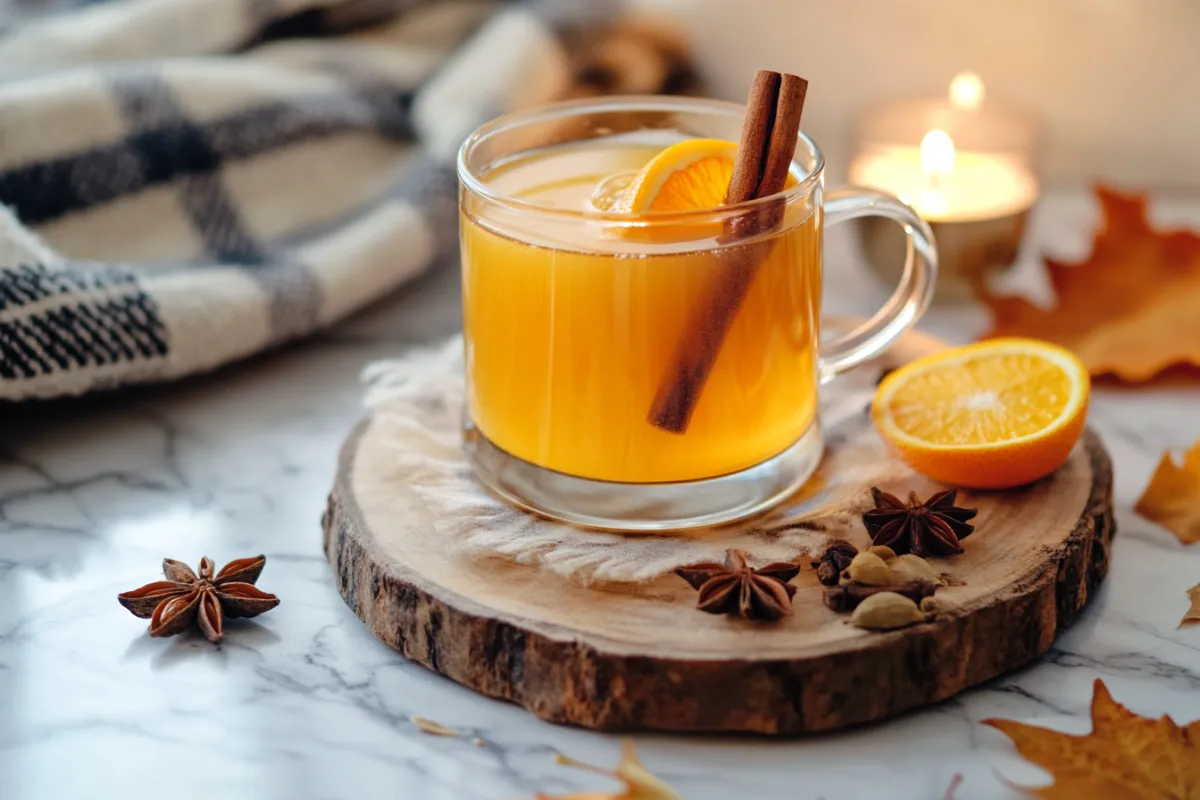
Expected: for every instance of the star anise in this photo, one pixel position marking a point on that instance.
(932, 528)
(185, 599)
(737, 588)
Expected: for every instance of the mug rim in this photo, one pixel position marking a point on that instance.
(565, 109)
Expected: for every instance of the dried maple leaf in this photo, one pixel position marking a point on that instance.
(1193, 613)
(640, 784)
(1172, 499)
(1131, 309)
(1125, 757)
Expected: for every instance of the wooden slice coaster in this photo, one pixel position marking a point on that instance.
(618, 657)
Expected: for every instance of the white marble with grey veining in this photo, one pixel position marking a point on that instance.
(304, 703)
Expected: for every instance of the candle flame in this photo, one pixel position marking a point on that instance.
(937, 153)
(966, 91)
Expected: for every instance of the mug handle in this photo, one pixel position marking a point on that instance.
(911, 297)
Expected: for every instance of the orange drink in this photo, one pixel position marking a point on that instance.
(567, 341)
(594, 236)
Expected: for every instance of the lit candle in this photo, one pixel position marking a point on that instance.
(946, 185)
(968, 175)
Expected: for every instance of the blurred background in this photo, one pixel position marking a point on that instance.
(1114, 84)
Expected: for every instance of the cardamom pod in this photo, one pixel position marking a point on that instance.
(887, 611)
(869, 570)
(847, 596)
(883, 551)
(913, 568)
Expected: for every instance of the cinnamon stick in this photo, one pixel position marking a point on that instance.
(764, 157)
(756, 137)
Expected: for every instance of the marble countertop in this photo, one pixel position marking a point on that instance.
(304, 703)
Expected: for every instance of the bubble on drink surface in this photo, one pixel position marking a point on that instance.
(610, 191)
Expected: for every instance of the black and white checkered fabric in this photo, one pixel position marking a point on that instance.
(186, 182)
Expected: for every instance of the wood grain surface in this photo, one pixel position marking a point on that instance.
(624, 658)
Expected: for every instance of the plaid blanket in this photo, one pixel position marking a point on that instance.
(186, 182)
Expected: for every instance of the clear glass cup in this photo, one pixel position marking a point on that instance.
(650, 372)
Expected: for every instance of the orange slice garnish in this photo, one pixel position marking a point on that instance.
(996, 414)
(689, 175)
(692, 175)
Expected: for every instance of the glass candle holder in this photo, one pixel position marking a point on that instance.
(967, 167)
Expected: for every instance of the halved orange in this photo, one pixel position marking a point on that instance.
(991, 415)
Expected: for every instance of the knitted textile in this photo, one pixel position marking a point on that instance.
(186, 182)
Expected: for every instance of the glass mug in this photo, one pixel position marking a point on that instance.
(646, 372)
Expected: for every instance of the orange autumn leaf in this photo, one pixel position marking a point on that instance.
(1125, 757)
(1130, 309)
(640, 784)
(1193, 613)
(1172, 499)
